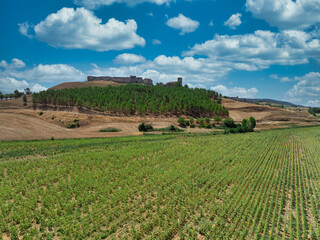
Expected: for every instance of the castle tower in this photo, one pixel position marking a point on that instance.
(180, 81)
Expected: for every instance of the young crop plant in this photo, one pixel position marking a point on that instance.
(163, 187)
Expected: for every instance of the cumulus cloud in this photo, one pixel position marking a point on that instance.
(313, 103)
(164, 69)
(234, 21)
(236, 91)
(129, 58)
(260, 49)
(307, 89)
(182, 23)
(94, 4)
(156, 42)
(14, 75)
(38, 88)
(80, 29)
(53, 73)
(8, 85)
(286, 14)
(15, 64)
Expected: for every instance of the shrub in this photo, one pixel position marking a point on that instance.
(182, 122)
(109, 130)
(77, 122)
(40, 113)
(229, 123)
(200, 121)
(144, 127)
(244, 125)
(191, 120)
(208, 125)
(24, 99)
(217, 119)
(52, 138)
(192, 125)
(207, 120)
(71, 125)
(252, 123)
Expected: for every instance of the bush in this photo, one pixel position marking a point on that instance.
(71, 125)
(252, 123)
(182, 122)
(229, 123)
(110, 130)
(191, 120)
(192, 125)
(217, 119)
(24, 99)
(52, 138)
(200, 121)
(144, 127)
(207, 120)
(208, 126)
(40, 113)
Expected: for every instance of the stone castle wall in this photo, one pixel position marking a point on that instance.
(131, 79)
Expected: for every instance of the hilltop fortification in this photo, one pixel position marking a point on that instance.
(131, 79)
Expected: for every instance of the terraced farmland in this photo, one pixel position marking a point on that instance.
(241, 186)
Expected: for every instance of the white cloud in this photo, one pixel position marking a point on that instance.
(8, 85)
(234, 21)
(260, 49)
(211, 23)
(80, 29)
(14, 77)
(313, 103)
(38, 88)
(94, 4)
(164, 69)
(54, 73)
(24, 29)
(156, 42)
(15, 64)
(185, 24)
(286, 14)
(236, 91)
(307, 89)
(129, 58)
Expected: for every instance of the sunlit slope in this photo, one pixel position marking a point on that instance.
(235, 186)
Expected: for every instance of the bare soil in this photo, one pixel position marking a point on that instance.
(23, 122)
(269, 117)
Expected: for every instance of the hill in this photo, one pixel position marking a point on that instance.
(268, 117)
(135, 99)
(266, 101)
(86, 84)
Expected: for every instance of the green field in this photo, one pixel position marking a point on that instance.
(263, 185)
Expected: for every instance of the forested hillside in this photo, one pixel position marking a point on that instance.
(137, 99)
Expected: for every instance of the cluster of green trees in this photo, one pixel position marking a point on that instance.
(314, 111)
(247, 125)
(137, 99)
(15, 94)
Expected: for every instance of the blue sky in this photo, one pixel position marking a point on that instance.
(245, 48)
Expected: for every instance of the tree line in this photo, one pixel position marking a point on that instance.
(137, 99)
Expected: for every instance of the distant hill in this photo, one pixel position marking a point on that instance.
(265, 101)
(85, 84)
